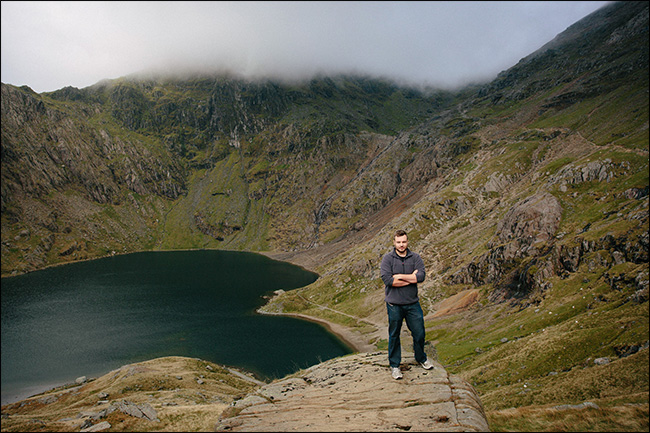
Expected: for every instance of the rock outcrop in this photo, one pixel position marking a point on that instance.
(356, 393)
(351, 393)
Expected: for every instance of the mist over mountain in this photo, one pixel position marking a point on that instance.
(526, 196)
(443, 44)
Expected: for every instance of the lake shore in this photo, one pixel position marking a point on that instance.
(352, 339)
(23, 378)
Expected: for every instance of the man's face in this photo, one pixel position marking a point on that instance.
(401, 243)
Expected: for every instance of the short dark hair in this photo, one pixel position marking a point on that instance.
(400, 233)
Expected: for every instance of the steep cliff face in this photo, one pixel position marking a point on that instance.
(186, 163)
(72, 189)
(49, 146)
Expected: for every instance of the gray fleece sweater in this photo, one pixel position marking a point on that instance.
(392, 264)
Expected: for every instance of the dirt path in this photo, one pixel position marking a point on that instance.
(354, 339)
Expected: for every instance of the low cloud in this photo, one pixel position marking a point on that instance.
(50, 45)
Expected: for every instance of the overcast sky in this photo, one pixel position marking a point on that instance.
(50, 45)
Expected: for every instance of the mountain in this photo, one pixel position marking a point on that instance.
(205, 162)
(527, 198)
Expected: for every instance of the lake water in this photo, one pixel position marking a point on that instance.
(89, 318)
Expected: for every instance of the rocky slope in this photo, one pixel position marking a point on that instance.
(537, 209)
(208, 161)
(164, 394)
(352, 393)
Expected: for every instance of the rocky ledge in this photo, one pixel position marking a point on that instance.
(350, 393)
(357, 393)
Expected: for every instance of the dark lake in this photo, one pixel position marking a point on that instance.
(89, 318)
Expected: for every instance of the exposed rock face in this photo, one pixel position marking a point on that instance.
(534, 219)
(127, 151)
(530, 222)
(44, 149)
(357, 393)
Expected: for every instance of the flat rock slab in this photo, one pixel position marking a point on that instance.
(357, 393)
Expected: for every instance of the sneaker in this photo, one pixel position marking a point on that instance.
(427, 365)
(396, 373)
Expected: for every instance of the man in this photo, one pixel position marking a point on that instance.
(401, 271)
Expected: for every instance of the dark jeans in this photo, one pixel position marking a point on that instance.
(415, 323)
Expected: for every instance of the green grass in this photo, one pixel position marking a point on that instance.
(549, 346)
(603, 120)
(607, 418)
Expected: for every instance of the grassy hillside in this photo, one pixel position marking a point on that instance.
(546, 311)
(561, 315)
